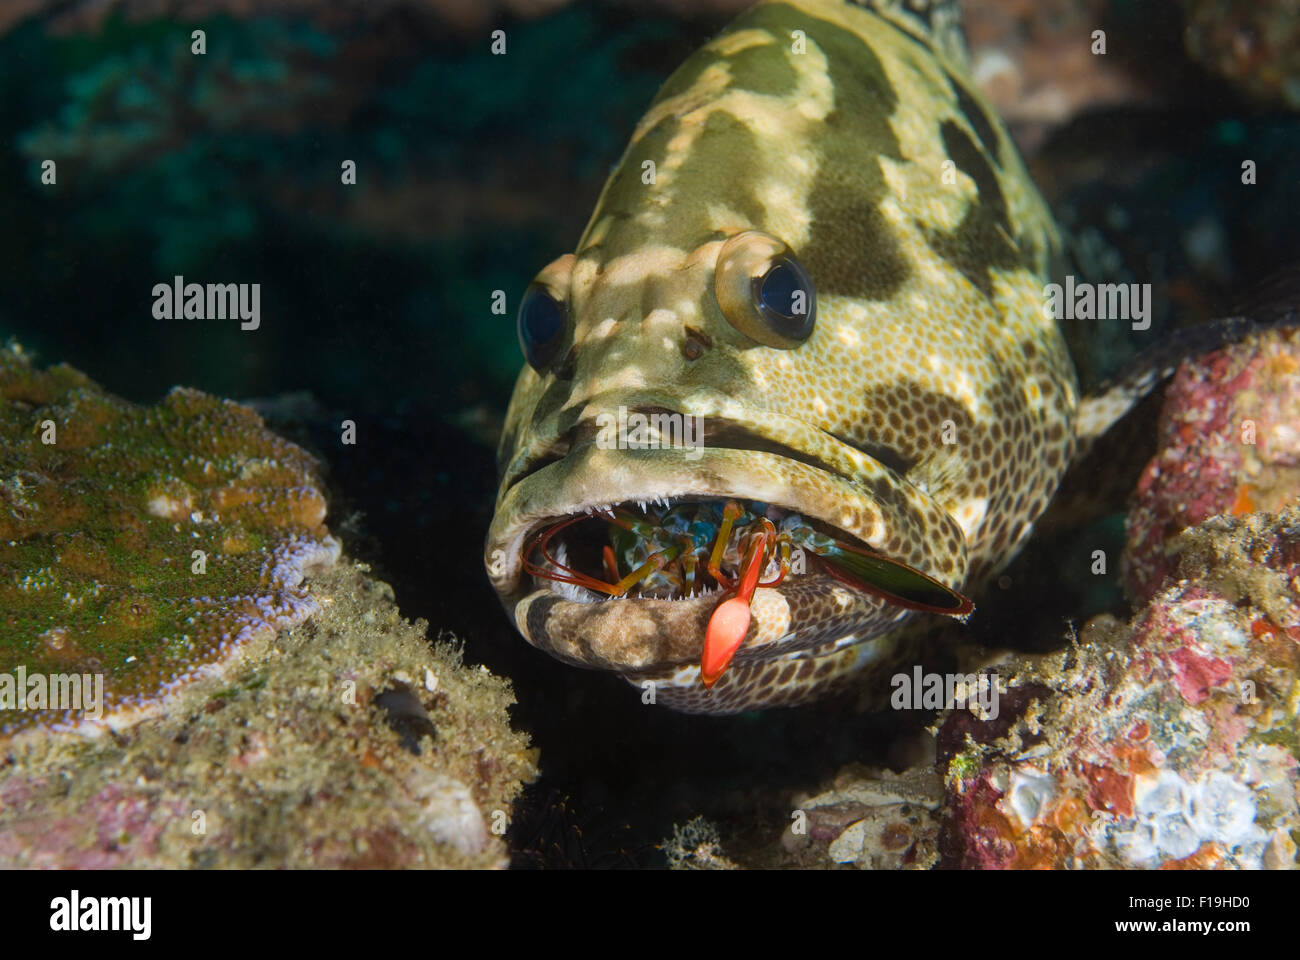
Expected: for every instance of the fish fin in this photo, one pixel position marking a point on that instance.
(1115, 398)
(1101, 478)
(897, 582)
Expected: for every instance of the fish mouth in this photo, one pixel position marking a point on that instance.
(786, 468)
(642, 549)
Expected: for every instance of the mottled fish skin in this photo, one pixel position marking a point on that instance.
(895, 185)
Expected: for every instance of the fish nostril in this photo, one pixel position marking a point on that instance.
(696, 343)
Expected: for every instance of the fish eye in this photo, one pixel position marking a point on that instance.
(543, 318)
(764, 292)
(541, 327)
(784, 295)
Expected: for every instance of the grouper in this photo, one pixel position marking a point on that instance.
(797, 388)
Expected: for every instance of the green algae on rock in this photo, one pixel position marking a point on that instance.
(146, 545)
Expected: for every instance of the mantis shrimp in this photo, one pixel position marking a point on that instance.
(690, 548)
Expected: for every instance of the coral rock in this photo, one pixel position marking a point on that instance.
(143, 545)
(872, 819)
(1170, 742)
(287, 761)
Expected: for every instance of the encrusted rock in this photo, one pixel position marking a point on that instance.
(269, 706)
(872, 819)
(287, 761)
(1229, 443)
(1254, 44)
(1170, 742)
(144, 545)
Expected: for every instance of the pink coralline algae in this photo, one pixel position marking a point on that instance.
(1196, 675)
(1229, 443)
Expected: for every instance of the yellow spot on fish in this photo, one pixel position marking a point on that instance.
(970, 514)
(892, 212)
(894, 177)
(730, 44)
(785, 205)
(659, 319)
(811, 110)
(682, 142)
(723, 218)
(964, 390)
(628, 378)
(646, 263)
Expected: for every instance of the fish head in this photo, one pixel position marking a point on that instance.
(662, 391)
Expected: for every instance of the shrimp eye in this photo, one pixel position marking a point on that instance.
(763, 290)
(541, 327)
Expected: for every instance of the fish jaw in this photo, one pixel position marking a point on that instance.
(643, 635)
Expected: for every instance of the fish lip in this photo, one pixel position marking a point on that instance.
(760, 431)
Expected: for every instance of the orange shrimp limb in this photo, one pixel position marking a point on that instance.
(730, 514)
(730, 621)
